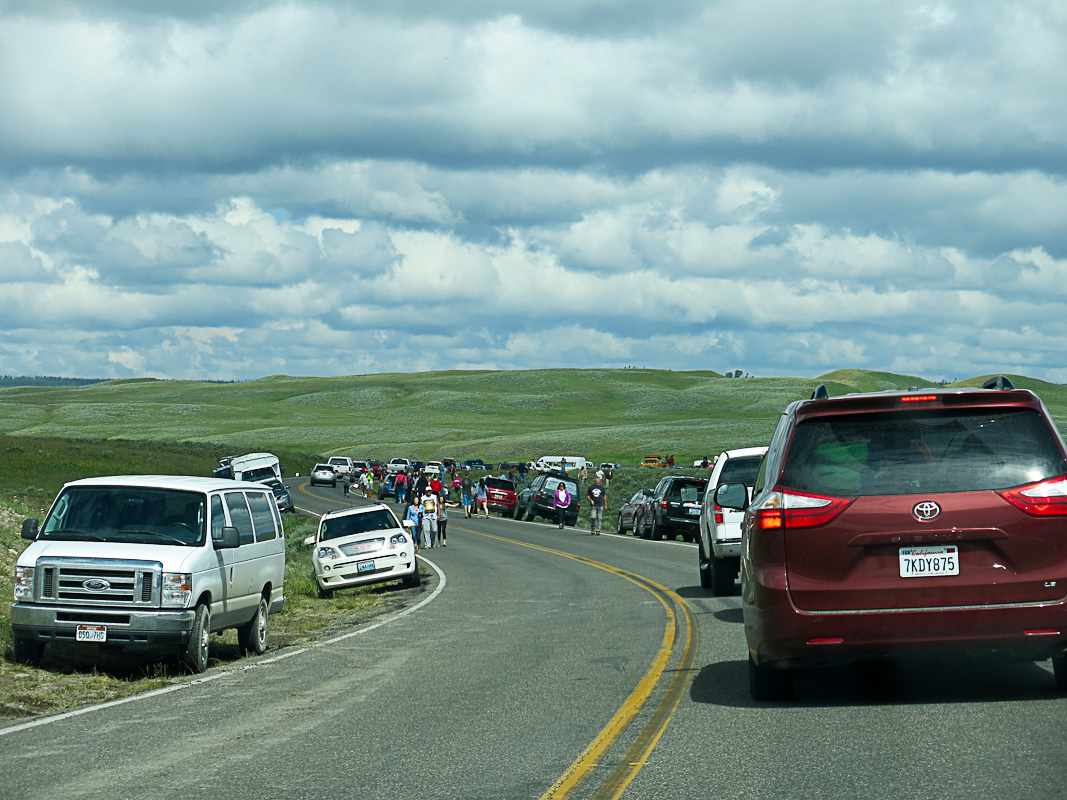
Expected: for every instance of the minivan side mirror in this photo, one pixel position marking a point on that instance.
(230, 539)
(733, 496)
(30, 528)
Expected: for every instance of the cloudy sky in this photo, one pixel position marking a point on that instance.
(327, 188)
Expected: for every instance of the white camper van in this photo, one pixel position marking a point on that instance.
(562, 463)
(250, 467)
(150, 559)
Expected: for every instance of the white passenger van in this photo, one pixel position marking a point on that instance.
(250, 467)
(562, 463)
(150, 559)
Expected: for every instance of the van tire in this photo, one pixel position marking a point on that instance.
(25, 650)
(324, 594)
(252, 636)
(1059, 671)
(765, 683)
(195, 653)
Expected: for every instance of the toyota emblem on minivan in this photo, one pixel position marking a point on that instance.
(926, 510)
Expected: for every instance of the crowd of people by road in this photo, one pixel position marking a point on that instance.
(426, 497)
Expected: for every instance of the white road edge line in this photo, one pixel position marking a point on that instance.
(38, 721)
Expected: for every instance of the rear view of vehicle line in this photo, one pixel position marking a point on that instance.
(903, 523)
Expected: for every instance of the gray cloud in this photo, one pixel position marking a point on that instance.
(326, 188)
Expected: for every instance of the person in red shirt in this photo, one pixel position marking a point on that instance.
(436, 485)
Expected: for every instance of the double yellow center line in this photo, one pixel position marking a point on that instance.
(625, 770)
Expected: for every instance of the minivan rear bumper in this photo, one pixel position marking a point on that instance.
(124, 626)
(782, 633)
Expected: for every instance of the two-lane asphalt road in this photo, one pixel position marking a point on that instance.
(548, 663)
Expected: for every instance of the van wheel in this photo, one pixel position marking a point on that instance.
(25, 650)
(195, 653)
(324, 594)
(767, 683)
(252, 636)
(1059, 671)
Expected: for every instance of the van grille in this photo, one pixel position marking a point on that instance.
(110, 582)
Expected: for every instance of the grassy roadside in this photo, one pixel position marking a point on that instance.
(72, 675)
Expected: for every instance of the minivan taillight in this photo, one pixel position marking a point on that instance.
(1042, 499)
(798, 510)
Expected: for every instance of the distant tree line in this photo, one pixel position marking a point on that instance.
(44, 380)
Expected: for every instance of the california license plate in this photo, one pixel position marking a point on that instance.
(364, 566)
(91, 633)
(929, 562)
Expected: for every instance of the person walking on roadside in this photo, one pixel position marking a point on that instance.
(466, 490)
(561, 501)
(414, 514)
(481, 497)
(429, 502)
(442, 521)
(598, 501)
(365, 482)
(401, 487)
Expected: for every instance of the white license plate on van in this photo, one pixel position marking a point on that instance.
(929, 562)
(91, 633)
(364, 566)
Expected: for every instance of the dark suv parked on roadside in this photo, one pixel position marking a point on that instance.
(905, 522)
(673, 509)
(536, 499)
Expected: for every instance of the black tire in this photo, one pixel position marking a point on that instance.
(654, 532)
(767, 683)
(324, 594)
(530, 513)
(704, 568)
(618, 525)
(723, 574)
(1059, 671)
(25, 650)
(195, 652)
(252, 636)
(414, 579)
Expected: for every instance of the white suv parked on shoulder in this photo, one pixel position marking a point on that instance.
(719, 543)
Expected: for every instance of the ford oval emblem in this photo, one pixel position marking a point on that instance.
(96, 585)
(926, 510)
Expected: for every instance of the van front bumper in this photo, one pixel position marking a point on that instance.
(124, 626)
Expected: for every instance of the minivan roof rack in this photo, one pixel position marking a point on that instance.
(820, 392)
(999, 382)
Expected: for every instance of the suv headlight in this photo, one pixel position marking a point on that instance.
(24, 583)
(397, 540)
(327, 554)
(177, 589)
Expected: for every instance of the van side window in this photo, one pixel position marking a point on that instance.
(262, 519)
(218, 519)
(239, 516)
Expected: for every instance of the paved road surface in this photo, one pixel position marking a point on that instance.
(531, 647)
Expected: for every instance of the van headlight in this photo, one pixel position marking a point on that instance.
(23, 583)
(177, 589)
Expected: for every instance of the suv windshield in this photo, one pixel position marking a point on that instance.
(127, 514)
(942, 450)
(378, 520)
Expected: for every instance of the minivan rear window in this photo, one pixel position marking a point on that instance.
(940, 450)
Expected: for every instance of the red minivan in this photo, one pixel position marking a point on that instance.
(897, 522)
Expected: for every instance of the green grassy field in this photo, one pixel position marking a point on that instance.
(605, 415)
